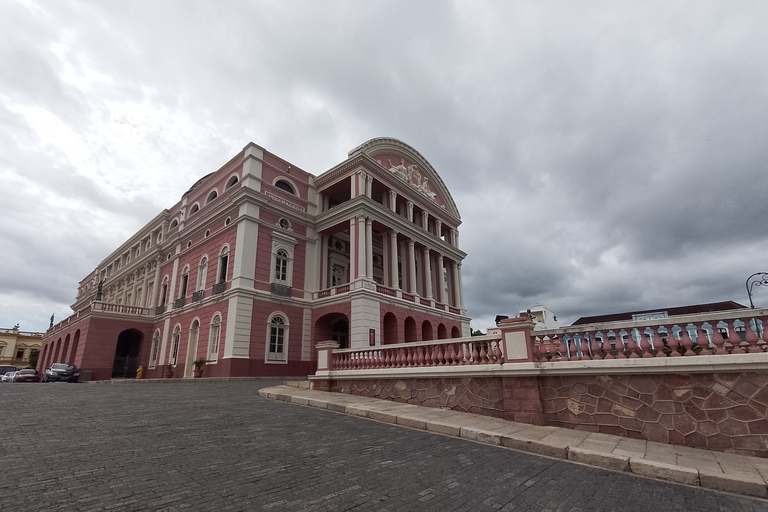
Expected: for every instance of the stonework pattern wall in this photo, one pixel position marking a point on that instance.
(476, 395)
(723, 411)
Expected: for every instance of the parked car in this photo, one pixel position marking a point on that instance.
(7, 377)
(61, 372)
(7, 369)
(29, 375)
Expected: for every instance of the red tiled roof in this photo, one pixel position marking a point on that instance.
(681, 310)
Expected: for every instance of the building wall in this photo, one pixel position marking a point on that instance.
(13, 341)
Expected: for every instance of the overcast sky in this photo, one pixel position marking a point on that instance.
(604, 156)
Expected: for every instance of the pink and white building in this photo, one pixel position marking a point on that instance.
(260, 260)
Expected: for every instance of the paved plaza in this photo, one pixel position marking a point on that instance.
(220, 446)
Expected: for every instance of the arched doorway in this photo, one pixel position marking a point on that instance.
(127, 354)
(426, 331)
(390, 329)
(75, 343)
(333, 326)
(194, 334)
(455, 332)
(442, 332)
(409, 329)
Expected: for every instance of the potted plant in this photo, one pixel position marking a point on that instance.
(199, 363)
(168, 371)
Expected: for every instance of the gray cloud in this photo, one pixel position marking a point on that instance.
(603, 158)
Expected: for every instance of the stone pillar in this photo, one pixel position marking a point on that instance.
(411, 267)
(323, 262)
(409, 206)
(369, 248)
(441, 280)
(427, 274)
(456, 289)
(352, 249)
(393, 260)
(360, 249)
(369, 185)
(459, 289)
(438, 228)
(393, 200)
(425, 221)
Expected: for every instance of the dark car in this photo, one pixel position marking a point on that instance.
(7, 368)
(61, 372)
(30, 375)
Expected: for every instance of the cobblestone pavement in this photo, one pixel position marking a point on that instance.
(219, 446)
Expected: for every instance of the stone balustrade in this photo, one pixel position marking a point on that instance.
(453, 352)
(732, 332)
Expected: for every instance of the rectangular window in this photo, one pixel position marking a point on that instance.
(276, 339)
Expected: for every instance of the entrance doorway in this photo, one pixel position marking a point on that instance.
(127, 354)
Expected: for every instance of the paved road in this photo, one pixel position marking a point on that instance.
(218, 446)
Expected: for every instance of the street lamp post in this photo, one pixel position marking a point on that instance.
(762, 280)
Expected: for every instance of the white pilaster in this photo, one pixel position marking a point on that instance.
(441, 280)
(244, 264)
(239, 318)
(393, 200)
(352, 249)
(393, 266)
(365, 314)
(409, 206)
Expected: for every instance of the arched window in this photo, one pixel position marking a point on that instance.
(155, 349)
(278, 340)
(213, 338)
(184, 283)
(213, 195)
(281, 266)
(194, 210)
(284, 185)
(232, 182)
(174, 223)
(202, 272)
(175, 345)
(223, 262)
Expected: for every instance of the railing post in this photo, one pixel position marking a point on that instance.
(322, 378)
(517, 341)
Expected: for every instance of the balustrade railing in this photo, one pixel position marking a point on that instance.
(219, 288)
(386, 291)
(454, 352)
(738, 332)
(120, 308)
(198, 296)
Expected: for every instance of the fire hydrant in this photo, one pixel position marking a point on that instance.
(139, 371)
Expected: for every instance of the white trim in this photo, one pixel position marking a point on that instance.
(227, 185)
(174, 358)
(209, 199)
(213, 357)
(202, 277)
(288, 181)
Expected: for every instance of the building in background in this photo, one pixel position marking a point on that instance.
(542, 316)
(260, 260)
(16, 346)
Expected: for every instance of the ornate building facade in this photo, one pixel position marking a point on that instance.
(260, 260)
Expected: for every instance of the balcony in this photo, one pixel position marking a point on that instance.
(179, 303)
(280, 289)
(198, 296)
(219, 288)
(159, 310)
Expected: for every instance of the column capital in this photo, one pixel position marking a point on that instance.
(410, 242)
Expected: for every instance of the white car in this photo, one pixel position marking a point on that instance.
(8, 377)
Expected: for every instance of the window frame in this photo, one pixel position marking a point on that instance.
(278, 321)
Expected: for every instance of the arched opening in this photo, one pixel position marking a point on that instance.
(64, 353)
(57, 352)
(75, 343)
(333, 326)
(442, 332)
(389, 336)
(126, 360)
(212, 196)
(455, 332)
(426, 331)
(231, 182)
(409, 330)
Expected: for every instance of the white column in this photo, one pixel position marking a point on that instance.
(352, 248)
(411, 267)
(425, 221)
(455, 272)
(438, 227)
(393, 200)
(360, 250)
(427, 273)
(441, 280)
(459, 288)
(369, 248)
(393, 259)
(369, 185)
(409, 206)
(323, 262)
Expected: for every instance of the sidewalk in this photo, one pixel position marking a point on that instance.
(715, 470)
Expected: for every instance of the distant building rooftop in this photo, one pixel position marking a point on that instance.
(660, 313)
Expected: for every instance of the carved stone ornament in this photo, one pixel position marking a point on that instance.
(409, 174)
